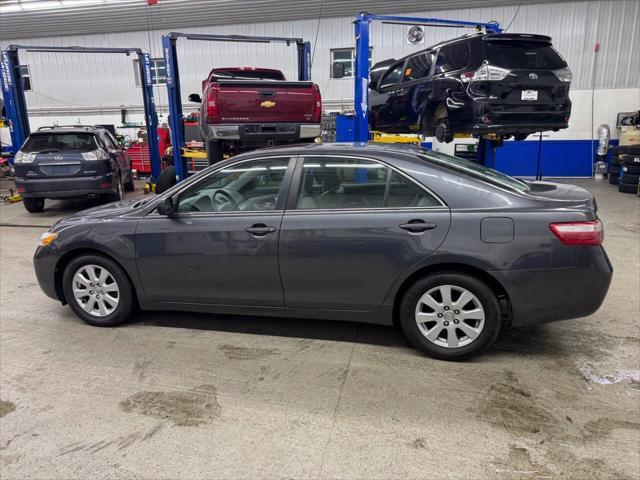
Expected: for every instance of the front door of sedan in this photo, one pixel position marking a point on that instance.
(221, 246)
(351, 228)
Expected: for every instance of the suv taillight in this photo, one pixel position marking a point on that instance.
(212, 106)
(485, 73)
(579, 233)
(317, 104)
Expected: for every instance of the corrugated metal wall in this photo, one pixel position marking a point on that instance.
(72, 80)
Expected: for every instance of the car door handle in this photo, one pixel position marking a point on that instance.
(259, 229)
(417, 226)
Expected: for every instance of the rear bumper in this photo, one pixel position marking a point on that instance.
(487, 117)
(540, 296)
(263, 132)
(64, 187)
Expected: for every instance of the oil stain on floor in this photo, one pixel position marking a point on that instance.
(6, 407)
(183, 408)
(234, 352)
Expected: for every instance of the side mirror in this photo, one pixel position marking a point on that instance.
(195, 98)
(166, 207)
(337, 70)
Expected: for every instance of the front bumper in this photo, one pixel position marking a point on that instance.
(44, 263)
(68, 187)
(540, 296)
(262, 132)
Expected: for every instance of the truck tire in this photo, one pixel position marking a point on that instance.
(33, 205)
(129, 186)
(166, 179)
(215, 151)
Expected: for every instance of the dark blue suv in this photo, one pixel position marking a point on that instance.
(71, 162)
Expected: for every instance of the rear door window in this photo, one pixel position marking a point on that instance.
(418, 66)
(523, 55)
(404, 193)
(453, 57)
(60, 142)
(393, 77)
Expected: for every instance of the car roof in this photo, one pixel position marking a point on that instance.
(344, 148)
(69, 129)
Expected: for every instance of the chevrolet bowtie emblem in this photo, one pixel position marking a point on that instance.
(268, 104)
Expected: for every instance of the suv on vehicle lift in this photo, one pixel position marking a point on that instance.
(255, 107)
(71, 162)
(507, 84)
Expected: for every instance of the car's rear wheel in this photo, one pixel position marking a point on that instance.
(33, 205)
(166, 179)
(129, 185)
(119, 191)
(215, 151)
(98, 290)
(450, 316)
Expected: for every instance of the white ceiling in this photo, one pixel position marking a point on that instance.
(40, 18)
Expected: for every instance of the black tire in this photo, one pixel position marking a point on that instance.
(631, 168)
(119, 193)
(483, 295)
(215, 151)
(125, 296)
(625, 159)
(629, 179)
(33, 205)
(442, 133)
(166, 180)
(614, 179)
(626, 150)
(627, 187)
(129, 185)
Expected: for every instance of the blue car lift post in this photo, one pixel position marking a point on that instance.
(169, 44)
(16, 105)
(361, 93)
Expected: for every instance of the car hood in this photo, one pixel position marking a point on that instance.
(562, 194)
(102, 212)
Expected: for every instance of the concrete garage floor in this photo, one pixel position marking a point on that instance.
(194, 396)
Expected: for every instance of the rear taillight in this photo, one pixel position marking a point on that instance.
(212, 106)
(563, 74)
(485, 73)
(579, 233)
(317, 105)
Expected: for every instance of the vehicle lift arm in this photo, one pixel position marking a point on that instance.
(362, 24)
(169, 44)
(16, 105)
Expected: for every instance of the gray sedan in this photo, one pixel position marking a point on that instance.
(447, 249)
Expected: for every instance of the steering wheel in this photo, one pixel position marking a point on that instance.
(227, 199)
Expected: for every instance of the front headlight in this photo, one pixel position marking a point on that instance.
(46, 238)
(95, 155)
(563, 74)
(22, 157)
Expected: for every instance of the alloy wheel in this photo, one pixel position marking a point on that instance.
(450, 316)
(96, 290)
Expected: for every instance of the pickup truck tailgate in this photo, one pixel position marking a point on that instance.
(247, 101)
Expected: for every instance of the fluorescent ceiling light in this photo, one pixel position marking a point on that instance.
(10, 8)
(74, 3)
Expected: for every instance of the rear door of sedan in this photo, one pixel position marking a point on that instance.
(352, 226)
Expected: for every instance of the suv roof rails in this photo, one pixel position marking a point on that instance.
(86, 127)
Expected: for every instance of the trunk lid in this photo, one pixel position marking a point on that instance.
(265, 101)
(562, 195)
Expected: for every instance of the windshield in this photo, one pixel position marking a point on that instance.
(248, 74)
(523, 55)
(60, 142)
(475, 170)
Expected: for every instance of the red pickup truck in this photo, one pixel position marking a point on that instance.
(246, 107)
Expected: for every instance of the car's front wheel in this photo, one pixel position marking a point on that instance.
(98, 290)
(33, 205)
(450, 316)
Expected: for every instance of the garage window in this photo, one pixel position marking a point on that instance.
(157, 69)
(25, 77)
(345, 57)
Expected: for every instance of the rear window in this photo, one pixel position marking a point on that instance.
(475, 170)
(247, 75)
(523, 55)
(60, 142)
(453, 57)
